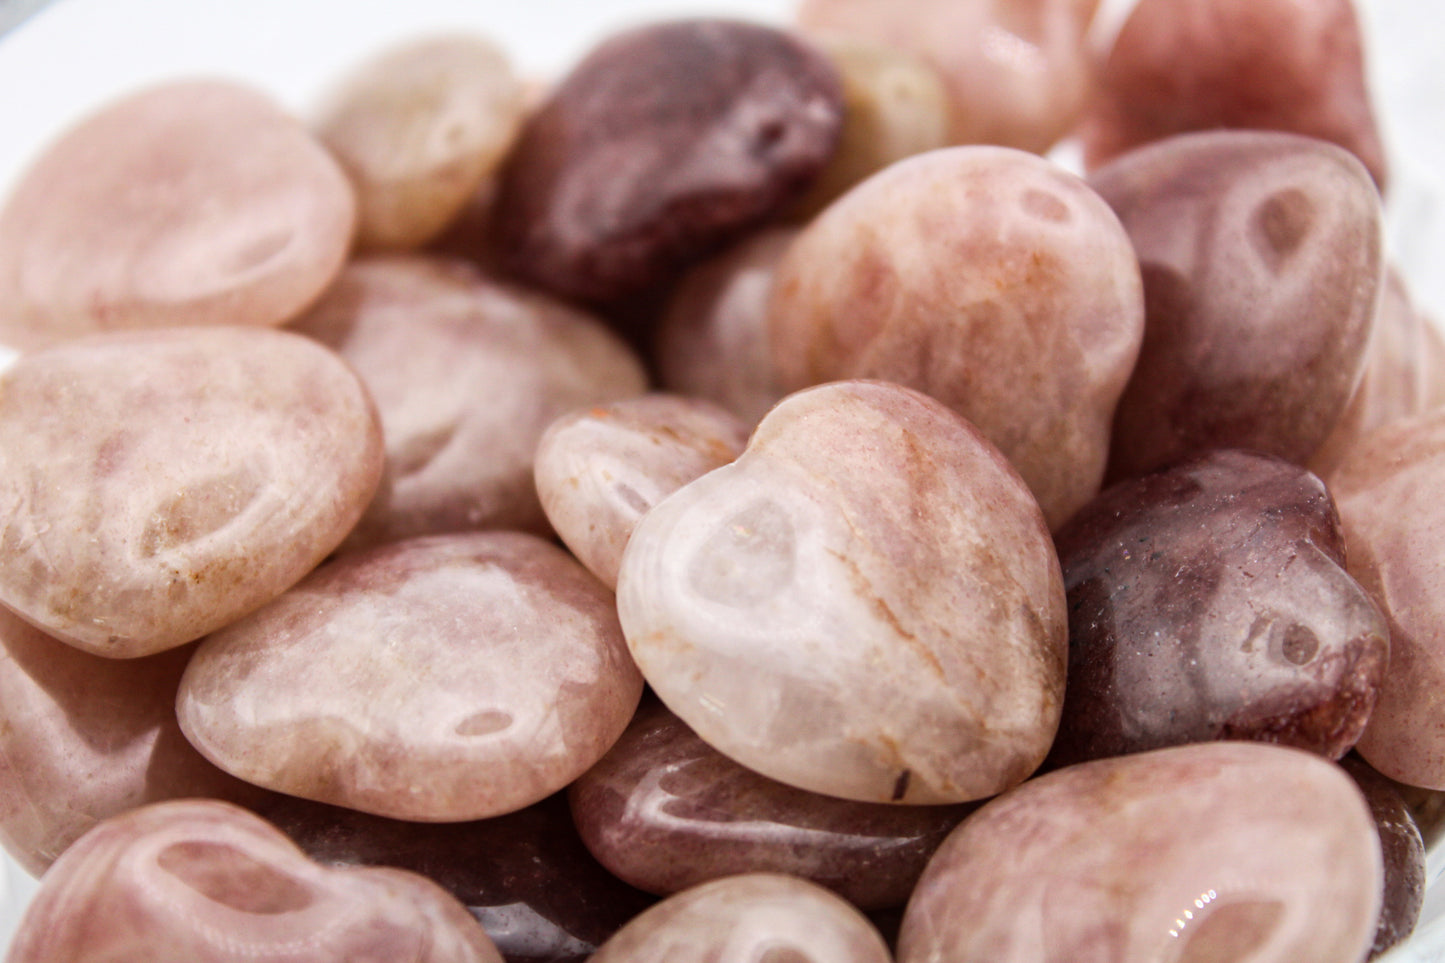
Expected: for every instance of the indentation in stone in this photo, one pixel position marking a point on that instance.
(1300, 644)
(1046, 206)
(226, 875)
(1280, 225)
(1230, 932)
(484, 723)
(748, 558)
(784, 954)
(261, 250)
(200, 509)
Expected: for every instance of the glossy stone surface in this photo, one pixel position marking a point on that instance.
(83, 738)
(895, 105)
(417, 127)
(1017, 71)
(467, 373)
(1387, 490)
(713, 341)
(206, 882)
(1210, 601)
(988, 278)
(1261, 256)
(526, 876)
(445, 678)
(661, 145)
(1403, 851)
(1187, 65)
(189, 203)
(762, 917)
(665, 811)
(156, 485)
(599, 470)
(1211, 853)
(866, 604)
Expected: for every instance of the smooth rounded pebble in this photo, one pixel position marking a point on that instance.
(866, 604)
(157, 485)
(467, 373)
(445, 678)
(743, 919)
(191, 203)
(1261, 256)
(663, 144)
(991, 279)
(600, 469)
(1209, 853)
(1403, 850)
(417, 127)
(206, 882)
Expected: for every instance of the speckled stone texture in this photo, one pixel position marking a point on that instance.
(1403, 850)
(1211, 601)
(445, 678)
(1209, 853)
(665, 811)
(989, 278)
(206, 882)
(193, 202)
(663, 144)
(157, 485)
(866, 604)
(1261, 256)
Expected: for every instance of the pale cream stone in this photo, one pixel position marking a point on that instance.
(866, 604)
(157, 485)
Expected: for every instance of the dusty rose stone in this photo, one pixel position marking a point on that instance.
(194, 202)
(1261, 256)
(1186, 65)
(661, 145)
(1403, 851)
(1208, 853)
(758, 916)
(156, 485)
(1387, 491)
(467, 374)
(988, 278)
(713, 340)
(866, 604)
(600, 469)
(1210, 601)
(665, 811)
(417, 128)
(206, 882)
(84, 738)
(1017, 71)
(445, 678)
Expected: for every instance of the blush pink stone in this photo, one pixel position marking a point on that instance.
(445, 678)
(1207, 853)
(205, 882)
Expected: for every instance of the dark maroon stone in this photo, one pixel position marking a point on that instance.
(526, 876)
(1403, 850)
(663, 144)
(1210, 601)
(665, 811)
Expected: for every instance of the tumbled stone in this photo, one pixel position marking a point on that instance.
(988, 278)
(445, 678)
(865, 604)
(206, 882)
(1404, 375)
(1387, 491)
(1261, 256)
(157, 485)
(525, 876)
(759, 916)
(194, 202)
(84, 738)
(1017, 71)
(1403, 851)
(1211, 601)
(1187, 65)
(467, 373)
(895, 105)
(600, 469)
(661, 145)
(665, 811)
(417, 127)
(1203, 853)
(713, 341)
